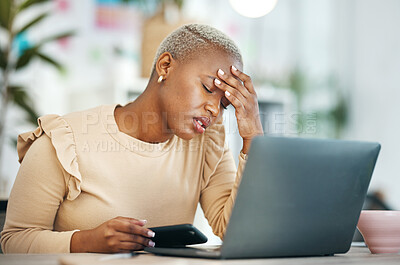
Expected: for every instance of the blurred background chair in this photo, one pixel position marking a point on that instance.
(3, 208)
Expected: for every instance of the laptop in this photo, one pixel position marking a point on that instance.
(297, 197)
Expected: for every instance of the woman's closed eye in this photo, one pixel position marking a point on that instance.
(209, 91)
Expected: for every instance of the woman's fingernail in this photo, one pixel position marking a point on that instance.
(151, 244)
(227, 93)
(151, 233)
(143, 221)
(221, 72)
(217, 81)
(234, 68)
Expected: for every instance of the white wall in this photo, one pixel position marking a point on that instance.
(375, 95)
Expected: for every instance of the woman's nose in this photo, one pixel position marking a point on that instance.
(213, 106)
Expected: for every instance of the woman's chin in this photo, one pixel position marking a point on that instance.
(186, 134)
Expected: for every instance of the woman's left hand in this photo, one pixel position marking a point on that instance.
(242, 95)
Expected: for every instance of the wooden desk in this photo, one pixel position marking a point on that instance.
(356, 255)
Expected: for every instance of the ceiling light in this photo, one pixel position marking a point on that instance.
(253, 8)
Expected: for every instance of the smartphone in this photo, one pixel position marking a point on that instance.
(177, 235)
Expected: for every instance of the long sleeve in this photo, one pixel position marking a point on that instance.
(39, 189)
(218, 196)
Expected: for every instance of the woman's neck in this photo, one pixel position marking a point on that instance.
(143, 118)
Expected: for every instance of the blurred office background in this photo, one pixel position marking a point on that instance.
(322, 68)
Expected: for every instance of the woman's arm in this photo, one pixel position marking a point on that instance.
(218, 196)
(38, 191)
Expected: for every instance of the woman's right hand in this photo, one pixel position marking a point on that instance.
(121, 234)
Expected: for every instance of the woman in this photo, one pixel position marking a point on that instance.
(89, 180)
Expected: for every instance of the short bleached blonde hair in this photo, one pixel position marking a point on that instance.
(184, 41)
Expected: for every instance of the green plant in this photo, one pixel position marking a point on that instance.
(12, 60)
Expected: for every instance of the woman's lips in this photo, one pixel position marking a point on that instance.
(200, 124)
(204, 120)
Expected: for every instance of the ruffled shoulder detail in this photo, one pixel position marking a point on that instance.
(62, 138)
(214, 144)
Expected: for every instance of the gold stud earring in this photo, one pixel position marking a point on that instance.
(160, 79)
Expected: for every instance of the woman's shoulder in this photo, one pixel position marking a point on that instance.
(210, 145)
(212, 142)
(89, 120)
(214, 137)
(51, 125)
(60, 133)
(58, 128)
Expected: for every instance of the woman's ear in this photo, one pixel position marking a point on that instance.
(163, 64)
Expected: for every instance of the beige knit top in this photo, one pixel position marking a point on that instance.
(78, 171)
